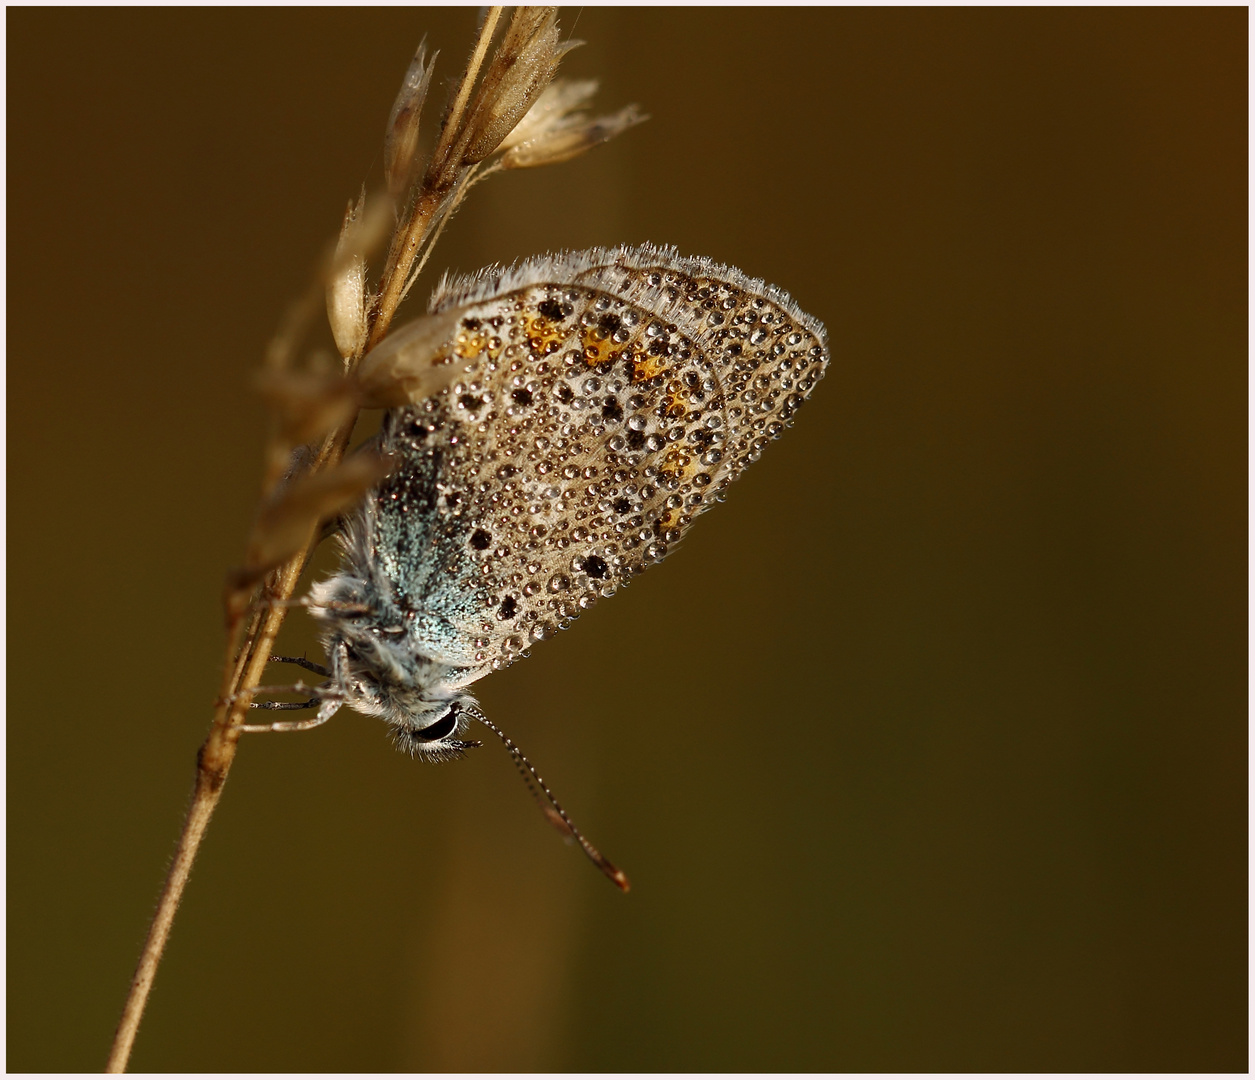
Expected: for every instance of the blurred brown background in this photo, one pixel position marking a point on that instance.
(925, 752)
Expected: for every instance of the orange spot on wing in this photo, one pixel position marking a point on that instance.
(598, 348)
(675, 462)
(470, 343)
(543, 335)
(646, 367)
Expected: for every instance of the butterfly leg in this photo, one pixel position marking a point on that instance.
(317, 700)
(279, 706)
(327, 702)
(294, 688)
(300, 661)
(290, 725)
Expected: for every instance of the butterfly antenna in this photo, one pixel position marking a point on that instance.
(553, 809)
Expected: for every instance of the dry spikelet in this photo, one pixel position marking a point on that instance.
(365, 229)
(400, 145)
(568, 137)
(522, 78)
(401, 369)
(521, 68)
(306, 404)
(346, 286)
(560, 100)
(286, 522)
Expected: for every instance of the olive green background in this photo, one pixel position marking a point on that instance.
(927, 751)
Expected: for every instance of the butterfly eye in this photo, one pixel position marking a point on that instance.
(442, 728)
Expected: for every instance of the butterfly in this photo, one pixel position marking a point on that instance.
(556, 428)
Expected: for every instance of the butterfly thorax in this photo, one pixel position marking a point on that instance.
(380, 666)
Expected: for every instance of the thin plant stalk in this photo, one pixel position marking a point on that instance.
(213, 762)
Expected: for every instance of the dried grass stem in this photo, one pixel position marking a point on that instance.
(482, 114)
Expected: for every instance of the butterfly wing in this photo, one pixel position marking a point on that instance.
(589, 407)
